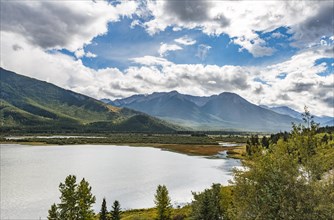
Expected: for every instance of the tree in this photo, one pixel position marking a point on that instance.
(116, 211)
(265, 142)
(270, 187)
(104, 211)
(68, 199)
(85, 201)
(290, 180)
(75, 201)
(53, 213)
(207, 205)
(163, 203)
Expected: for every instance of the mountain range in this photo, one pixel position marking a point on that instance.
(285, 110)
(226, 111)
(31, 105)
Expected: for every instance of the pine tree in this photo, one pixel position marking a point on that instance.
(116, 211)
(68, 199)
(85, 201)
(163, 203)
(75, 200)
(53, 213)
(207, 205)
(104, 211)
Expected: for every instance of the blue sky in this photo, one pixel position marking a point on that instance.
(122, 43)
(269, 52)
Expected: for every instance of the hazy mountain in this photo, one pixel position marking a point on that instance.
(329, 123)
(31, 105)
(224, 111)
(322, 120)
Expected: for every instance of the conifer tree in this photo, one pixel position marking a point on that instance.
(85, 201)
(53, 213)
(104, 211)
(75, 201)
(68, 199)
(116, 211)
(207, 205)
(163, 203)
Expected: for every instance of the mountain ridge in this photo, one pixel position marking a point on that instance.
(224, 111)
(32, 105)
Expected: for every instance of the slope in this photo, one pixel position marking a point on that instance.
(226, 111)
(31, 105)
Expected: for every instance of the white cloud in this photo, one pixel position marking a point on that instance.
(164, 48)
(241, 20)
(277, 35)
(185, 40)
(151, 61)
(255, 46)
(79, 53)
(54, 25)
(90, 55)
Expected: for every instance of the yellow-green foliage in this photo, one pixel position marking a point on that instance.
(149, 214)
(293, 179)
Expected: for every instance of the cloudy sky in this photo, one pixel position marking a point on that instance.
(269, 52)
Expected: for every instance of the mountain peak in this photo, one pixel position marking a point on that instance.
(174, 92)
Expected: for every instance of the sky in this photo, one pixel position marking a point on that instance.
(269, 52)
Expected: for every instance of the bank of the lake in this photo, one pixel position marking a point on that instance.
(185, 144)
(30, 175)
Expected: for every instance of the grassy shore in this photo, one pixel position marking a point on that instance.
(185, 144)
(151, 213)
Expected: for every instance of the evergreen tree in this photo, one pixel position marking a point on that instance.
(75, 201)
(85, 201)
(163, 203)
(68, 199)
(104, 211)
(265, 142)
(207, 205)
(116, 211)
(53, 213)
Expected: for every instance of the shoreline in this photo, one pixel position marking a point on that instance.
(206, 150)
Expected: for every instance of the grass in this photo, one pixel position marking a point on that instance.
(149, 214)
(185, 144)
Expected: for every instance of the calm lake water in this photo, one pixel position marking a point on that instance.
(30, 175)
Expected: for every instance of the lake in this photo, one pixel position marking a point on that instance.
(30, 175)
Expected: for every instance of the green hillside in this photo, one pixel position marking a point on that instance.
(30, 105)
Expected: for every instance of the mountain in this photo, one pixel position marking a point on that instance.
(227, 111)
(322, 120)
(329, 123)
(284, 110)
(32, 105)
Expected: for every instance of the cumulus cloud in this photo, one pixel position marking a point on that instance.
(17, 47)
(243, 20)
(81, 53)
(255, 46)
(314, 27)
(164, 48)
(151, 60)
(90, 55)
(185, 40)
(54, 25)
